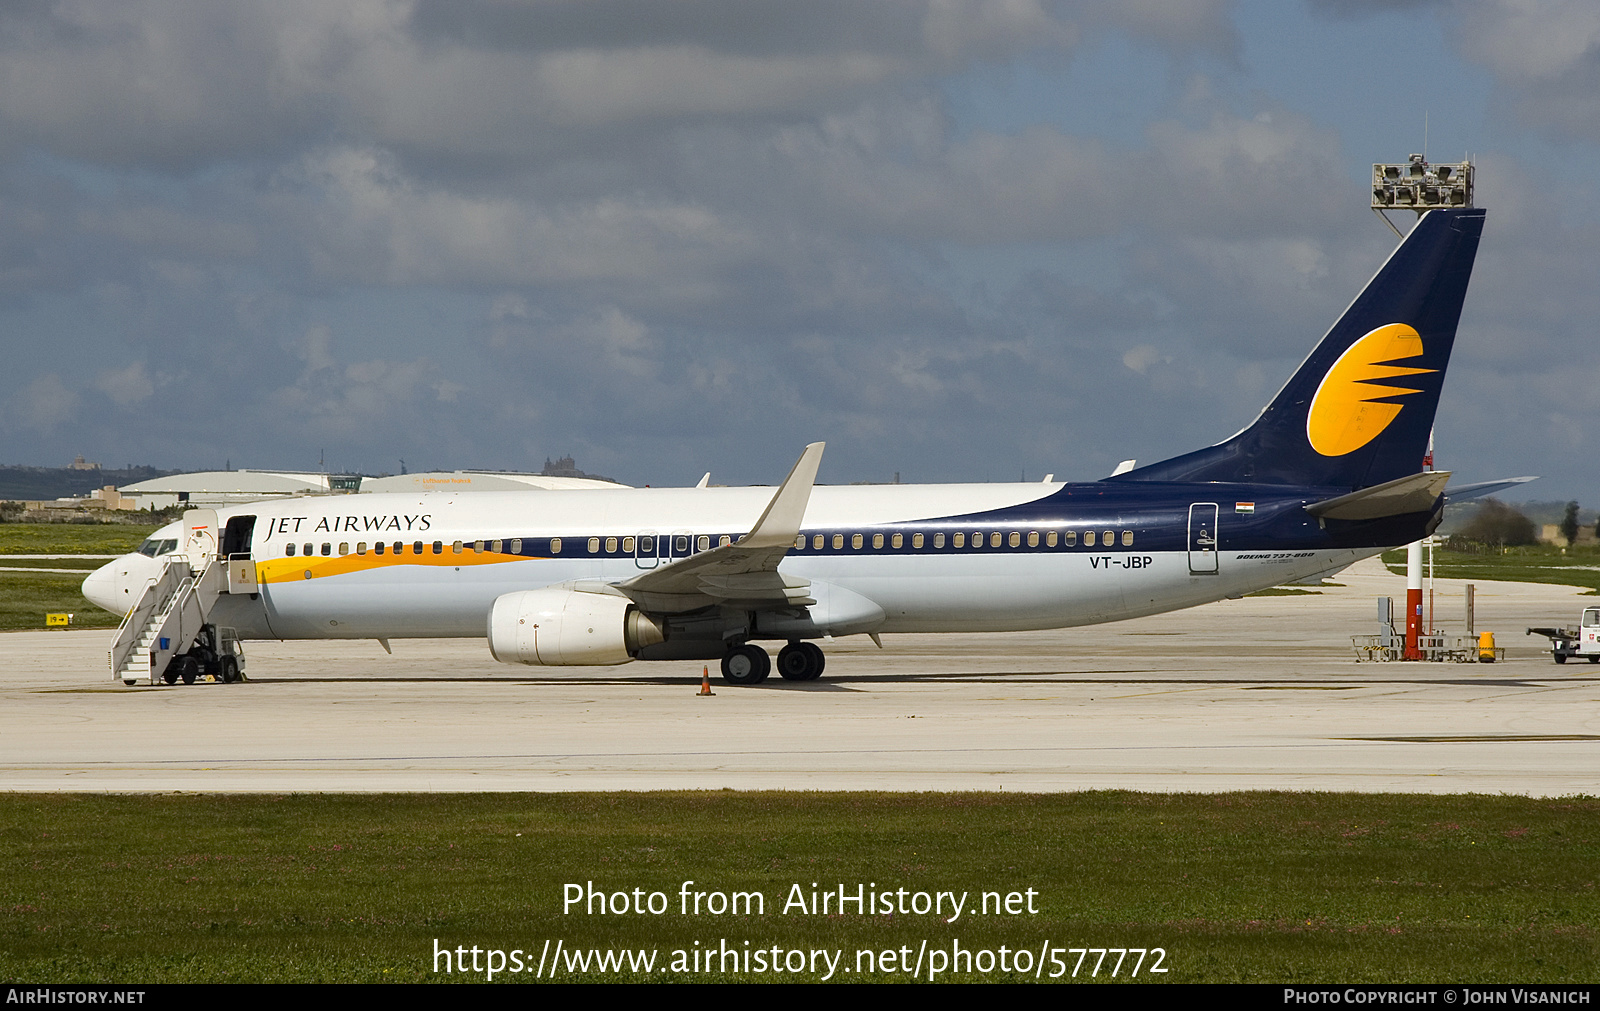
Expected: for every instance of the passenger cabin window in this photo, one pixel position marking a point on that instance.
(417, 548)
(627, 545)
(516, 545)
(977, 539)
(855, 541)
(495, 546)
(477, 546)
(438, 547)
(611, 545)
(838, 541)
(288, 549)
(399, 547)
(1127, 538)
(455, 548)
(307, 549)
(377, 547)
(1088, 538)
(361, 547)
(958, 540)
(877, 540)
(1108, 538)
(938, 541)
(344, 547)
(1033, 538)
(898, 540)
(724, 541)
(594, 545)
(916, 540)
(1072, 537)
(800, 543)
(1050, 539)
(555, 545)
(703, 542)
(816, 542)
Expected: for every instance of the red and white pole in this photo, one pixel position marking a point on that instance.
(1413, 599)
(1414, 578)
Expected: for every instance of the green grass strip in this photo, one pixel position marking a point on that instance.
(70, 538)
(1279, 887)
(26, 597)
(1542, 563)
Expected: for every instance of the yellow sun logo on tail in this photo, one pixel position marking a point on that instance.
(1344, 414)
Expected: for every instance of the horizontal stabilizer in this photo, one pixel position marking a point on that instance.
(1467, 492)
(1415, 493)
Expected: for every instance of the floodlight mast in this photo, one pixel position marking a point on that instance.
(1418, 186)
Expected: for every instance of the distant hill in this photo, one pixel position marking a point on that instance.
(33, 483)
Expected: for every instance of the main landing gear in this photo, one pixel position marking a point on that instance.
(801, 661)
(749, 664)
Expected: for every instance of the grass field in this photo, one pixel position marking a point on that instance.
(1539, 563)
(1251, 887)
(26, 597)
(70, 538)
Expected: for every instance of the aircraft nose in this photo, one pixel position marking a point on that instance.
(100, 587)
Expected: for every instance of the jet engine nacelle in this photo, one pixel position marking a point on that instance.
(557, 626)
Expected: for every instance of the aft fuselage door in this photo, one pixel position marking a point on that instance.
(1203, 537)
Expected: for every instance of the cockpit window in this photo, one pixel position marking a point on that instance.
(152, 547)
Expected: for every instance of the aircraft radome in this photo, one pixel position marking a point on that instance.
(1329, 473)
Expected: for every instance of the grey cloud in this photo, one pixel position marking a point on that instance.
(1546, 57)
(127, 386)
(177, 85)
(43, 405)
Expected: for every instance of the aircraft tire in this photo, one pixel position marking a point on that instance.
(746, 665)
(801, 661)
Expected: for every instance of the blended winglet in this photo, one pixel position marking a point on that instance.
(744, 572)
(780, 524)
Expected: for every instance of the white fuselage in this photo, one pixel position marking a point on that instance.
(320, 574)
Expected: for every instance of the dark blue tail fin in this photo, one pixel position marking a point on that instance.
(1359, 410)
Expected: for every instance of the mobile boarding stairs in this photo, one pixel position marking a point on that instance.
(168, 634)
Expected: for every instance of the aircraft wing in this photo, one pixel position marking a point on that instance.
(744, 573)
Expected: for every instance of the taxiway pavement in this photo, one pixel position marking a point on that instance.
(1259, 693)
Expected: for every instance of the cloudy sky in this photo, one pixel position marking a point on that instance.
(961, 241)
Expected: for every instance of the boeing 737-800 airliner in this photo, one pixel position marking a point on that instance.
(1329, 473)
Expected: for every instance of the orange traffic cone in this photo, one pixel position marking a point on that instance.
(705, 681)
